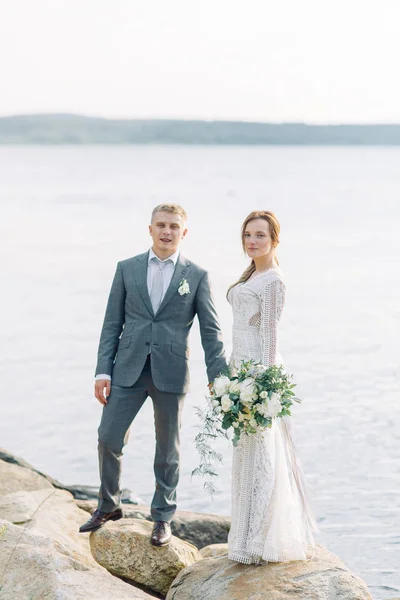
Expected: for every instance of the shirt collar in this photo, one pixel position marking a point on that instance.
(174, 257)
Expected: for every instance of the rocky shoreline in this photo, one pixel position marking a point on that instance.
(42, 555)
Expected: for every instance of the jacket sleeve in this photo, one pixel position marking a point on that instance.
(272, 300)
(210, 331)
(113, 324)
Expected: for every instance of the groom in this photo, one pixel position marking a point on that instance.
(143, 352)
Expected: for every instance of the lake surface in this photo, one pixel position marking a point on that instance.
(68, 214)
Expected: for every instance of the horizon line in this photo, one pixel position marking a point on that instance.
(201, 120)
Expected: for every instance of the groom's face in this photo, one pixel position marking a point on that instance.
(167, 230)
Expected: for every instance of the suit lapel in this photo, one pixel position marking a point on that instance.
(181, 269)
(140, 274)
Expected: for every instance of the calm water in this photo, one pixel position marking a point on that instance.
(69, 214)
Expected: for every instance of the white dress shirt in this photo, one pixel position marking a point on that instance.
(167, 274)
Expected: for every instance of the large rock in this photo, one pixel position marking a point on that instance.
(33, 567)
(214, 550)
(16, 460)
(201, 529)
(124, 549)
(14, 478)
(51, 513)
(90, 493)
(324, 577)
(196, 528)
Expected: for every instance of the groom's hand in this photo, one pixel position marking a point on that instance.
(102, 388)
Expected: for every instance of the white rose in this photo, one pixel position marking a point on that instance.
(184, 288)
(274, 405)
(263, 395)
(257, 369)
(247, 390)
(226, 403)
(262, 409)
(221, 385)
(218, 410)
(234, 387)
(215, 403)
(235, 424)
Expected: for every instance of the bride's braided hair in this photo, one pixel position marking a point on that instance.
(274, 229)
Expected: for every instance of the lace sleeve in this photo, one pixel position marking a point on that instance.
(272, 300)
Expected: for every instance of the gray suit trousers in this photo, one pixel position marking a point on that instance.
(122, 407)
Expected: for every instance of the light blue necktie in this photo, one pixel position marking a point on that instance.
(157, 288)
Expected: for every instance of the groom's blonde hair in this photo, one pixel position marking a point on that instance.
(171, 208)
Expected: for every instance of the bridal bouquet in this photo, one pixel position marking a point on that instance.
(247, 400)
(251, 397)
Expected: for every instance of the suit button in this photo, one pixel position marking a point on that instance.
(155, 320)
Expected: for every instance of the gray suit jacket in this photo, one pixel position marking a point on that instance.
(131, 330)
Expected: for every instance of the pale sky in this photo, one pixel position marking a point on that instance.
(282, 60)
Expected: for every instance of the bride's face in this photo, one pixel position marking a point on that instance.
(257, 238)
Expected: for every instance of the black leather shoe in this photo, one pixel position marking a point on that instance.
(161, 534)
(98, 519)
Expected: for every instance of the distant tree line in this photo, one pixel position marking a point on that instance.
(74, 129)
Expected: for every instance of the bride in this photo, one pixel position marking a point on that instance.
(271, 519)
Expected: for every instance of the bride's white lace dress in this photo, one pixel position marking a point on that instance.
(270, 515)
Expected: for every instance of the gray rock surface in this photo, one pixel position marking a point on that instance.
(53, 514)
(42, 555)
(324, 577)
(35, 567)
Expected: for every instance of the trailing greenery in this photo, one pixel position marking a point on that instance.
(208, 456)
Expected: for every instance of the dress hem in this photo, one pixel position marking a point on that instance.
(250, 558)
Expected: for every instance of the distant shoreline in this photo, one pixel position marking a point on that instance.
(68, 129)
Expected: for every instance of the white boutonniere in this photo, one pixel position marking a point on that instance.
(184, 287)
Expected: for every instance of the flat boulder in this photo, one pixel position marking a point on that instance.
(124, 549)
(324, 577)
(196, 528)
